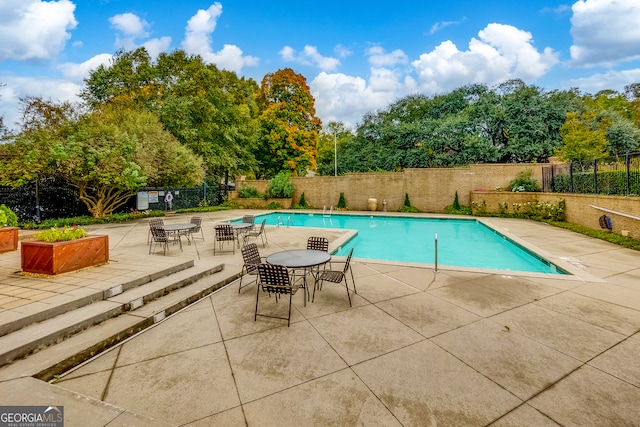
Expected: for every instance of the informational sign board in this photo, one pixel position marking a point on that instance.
(142, 201)
(153, 197)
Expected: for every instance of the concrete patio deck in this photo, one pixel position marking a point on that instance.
(457, 347)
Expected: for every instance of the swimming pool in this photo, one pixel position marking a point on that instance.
(461, 242)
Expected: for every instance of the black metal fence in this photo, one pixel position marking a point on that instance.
(615, 176)
(55, 199)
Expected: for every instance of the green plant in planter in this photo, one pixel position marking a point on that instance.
(280, 186)
(55, 234)
(7, 217)
(525, 181)
(250, 192)
(342, 204)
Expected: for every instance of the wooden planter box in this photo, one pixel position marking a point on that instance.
(61, 257)
(8, 239)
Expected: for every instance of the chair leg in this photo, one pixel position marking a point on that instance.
(289, 318)
(346, 286)
(241, 276)
(255, 316)
(355, 291)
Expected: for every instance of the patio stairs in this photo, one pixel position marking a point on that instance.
(57, 339)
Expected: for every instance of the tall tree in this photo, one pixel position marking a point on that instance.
(584, 137)
(211, 111)
(288, 129)
(107, 154)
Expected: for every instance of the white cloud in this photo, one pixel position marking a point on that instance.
(20, 87)
(77, 72)
(34, 29)
(444, 24)
(156, 46)
(347, 98)
(309, 56)
(342, 51)
(614, 80)
(198, 41)
(378, 57)
(131, 27)
(130, 24)
(501, 52)
(605, 31)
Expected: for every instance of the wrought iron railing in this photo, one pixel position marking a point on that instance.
(615, 176)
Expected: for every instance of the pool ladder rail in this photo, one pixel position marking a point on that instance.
(279, 222)
(324, 210)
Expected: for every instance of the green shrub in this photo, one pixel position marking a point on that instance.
(88, 220)
(464, 210)
(456, 202)
(609, 182)
(456, 208)
(250, 192)
(342, 204)
(7, 217)
(479, 209)
(302, 204)
(60, 235)
(410, 209)
(274, 206)
(406, 200)
(280, 186)
(524, 182)
(406, 207)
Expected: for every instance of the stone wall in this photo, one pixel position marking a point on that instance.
(582, 209)
(430, 190)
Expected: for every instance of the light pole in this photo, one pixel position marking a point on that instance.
(335, 153)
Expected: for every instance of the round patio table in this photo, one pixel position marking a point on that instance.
(177, 230)
(300, 258)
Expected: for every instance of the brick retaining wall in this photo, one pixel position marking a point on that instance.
(431, 190)
(579, 207)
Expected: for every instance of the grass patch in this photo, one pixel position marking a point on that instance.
(626, 242)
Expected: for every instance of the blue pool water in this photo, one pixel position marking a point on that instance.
(461, 242)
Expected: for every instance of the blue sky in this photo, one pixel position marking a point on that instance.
(357, 56)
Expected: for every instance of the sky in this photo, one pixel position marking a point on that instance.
(357, 56)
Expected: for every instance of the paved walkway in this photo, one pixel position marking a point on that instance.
(456, 347)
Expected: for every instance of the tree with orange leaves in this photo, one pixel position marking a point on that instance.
(288, 129)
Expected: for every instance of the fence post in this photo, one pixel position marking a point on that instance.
(595, 176)
(571, 174)
(628, 164)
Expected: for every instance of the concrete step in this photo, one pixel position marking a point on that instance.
(40, 315)
(35, 337)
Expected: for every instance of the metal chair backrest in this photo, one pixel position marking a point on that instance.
(158, 234)
(224, 232)
(197, 221)
(250, 254)
(274, 278)
(346, 264)
(318, 243)
(249, 219)
(156, 222)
